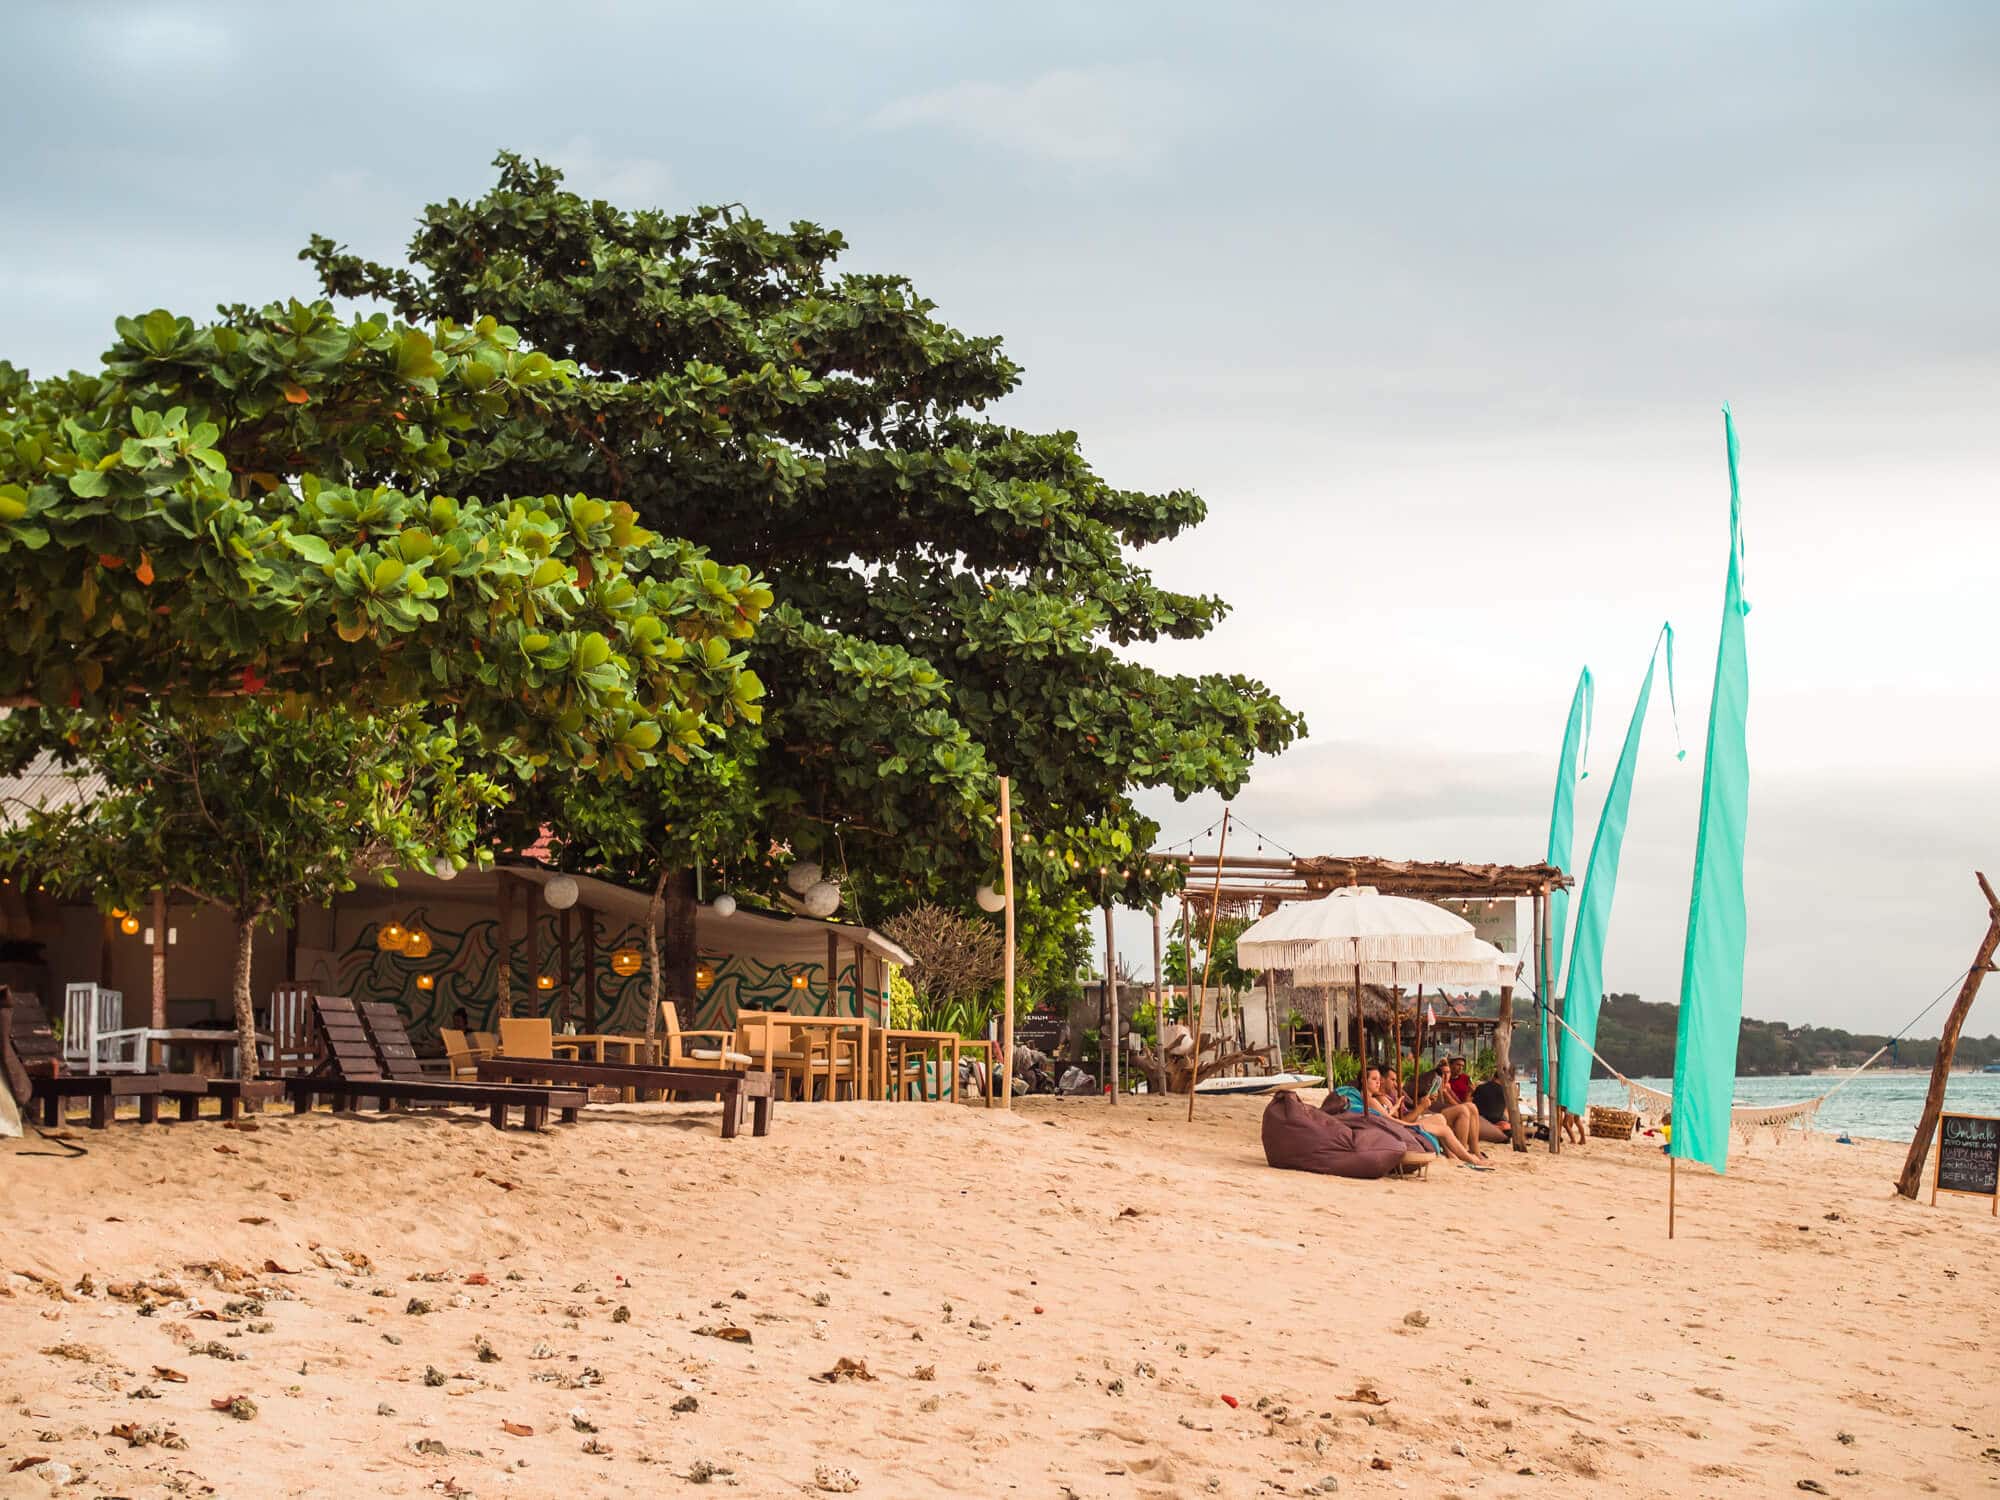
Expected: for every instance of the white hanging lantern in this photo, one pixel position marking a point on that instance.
(443, 868)
(990, 899)
(803, 876)
(822, 899)
(724, 905)
(560, 893)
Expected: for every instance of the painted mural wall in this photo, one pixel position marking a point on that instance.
(463, 970)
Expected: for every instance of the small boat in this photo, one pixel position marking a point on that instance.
(1265, 1084)
(1991, 1068)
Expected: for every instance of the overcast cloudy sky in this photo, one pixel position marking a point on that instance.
(1436, 309)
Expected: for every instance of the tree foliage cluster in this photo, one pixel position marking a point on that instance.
(658, 536)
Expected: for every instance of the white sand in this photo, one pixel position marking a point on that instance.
(1086, 1284)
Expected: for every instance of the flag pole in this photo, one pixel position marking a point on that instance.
(1007, 959)
(1207, 957)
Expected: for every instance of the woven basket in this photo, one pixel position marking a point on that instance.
(1612, 1124)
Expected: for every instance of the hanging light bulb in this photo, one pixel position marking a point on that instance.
(425, 982)
(128, 925)
(798, 981)
(545, 981)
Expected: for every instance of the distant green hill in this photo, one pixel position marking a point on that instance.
(1638, 1036)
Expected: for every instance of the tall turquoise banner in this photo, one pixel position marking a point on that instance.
(1584, 987)
(1718, 925)
(1562, 836)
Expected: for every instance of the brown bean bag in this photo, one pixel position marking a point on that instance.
(1304, 1139)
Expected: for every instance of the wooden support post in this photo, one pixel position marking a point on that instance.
(563, 936)
(589, 969)
(156, 1051)
(531, 922)
(832, 972)
(503, 956)
(1982, 965)
(1546, 986)
(1007, 958)
(1503, 1059)
(1673, 1176)
(1159, 999)
(1207, 955)
(1111, 1000)
(1326, 1048)
(1361, 1035)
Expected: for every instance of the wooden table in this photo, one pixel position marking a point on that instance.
(925, 1043)
(211, 1052)
(598, 1043)
(834, 1026)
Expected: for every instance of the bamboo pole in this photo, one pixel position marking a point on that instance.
(1360, 1032)
(503, 958)
(1326, 1032)
(1545, 984)
(1672, 1163)
(589, 968)
(1503, 1057)
(1207, 957)
(1007, 956)
(1920, 1145)
(1111, 999)
(157, 1050)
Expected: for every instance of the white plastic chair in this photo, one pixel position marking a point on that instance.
(95, 1038)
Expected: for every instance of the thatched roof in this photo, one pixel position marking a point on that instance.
(1258, 885)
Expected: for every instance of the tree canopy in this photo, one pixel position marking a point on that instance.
(260, 506)
(953, 592)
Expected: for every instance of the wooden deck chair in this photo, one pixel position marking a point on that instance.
(295, 1041)
(722, 1054)
(95, 1037)
(361, 1069)
(37, 1073)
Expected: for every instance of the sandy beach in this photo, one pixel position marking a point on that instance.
(1074, 1300)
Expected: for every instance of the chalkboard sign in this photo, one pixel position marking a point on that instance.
(1968, 1159)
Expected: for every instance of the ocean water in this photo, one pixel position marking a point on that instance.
(1883, 1106)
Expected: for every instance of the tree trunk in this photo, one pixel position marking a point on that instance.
(1913, 1164)
(246, 1011)
(655, 911)
(503, 948)
(679, 956)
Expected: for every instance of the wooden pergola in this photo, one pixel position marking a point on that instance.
(1256, 885)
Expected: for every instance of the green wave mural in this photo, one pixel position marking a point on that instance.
(463, 966)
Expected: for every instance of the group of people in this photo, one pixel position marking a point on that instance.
(1445, 1105)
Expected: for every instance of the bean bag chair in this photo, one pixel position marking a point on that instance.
(1300, 1138)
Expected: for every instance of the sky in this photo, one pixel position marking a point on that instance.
(1436, 306)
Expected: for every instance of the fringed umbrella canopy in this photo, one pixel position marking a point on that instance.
(1474, 961)
(1354, 925)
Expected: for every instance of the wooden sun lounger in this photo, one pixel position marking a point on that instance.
(358, 1072)
(37, 1075)
(727, 1084)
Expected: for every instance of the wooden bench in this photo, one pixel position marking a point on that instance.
(358, 1072)
(230, 1093)
(727, 1084)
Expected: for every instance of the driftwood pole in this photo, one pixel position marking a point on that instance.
(1007, 954)
(1111, 999)
(1207, 956)
(1982, 965)
(158, 1049)
(1503, 1058)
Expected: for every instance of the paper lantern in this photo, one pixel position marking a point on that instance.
(425, 982)
(545, 981)
(391, 936)
(822, 900)
(560, 893)
(990, 899)
(129, 925)
(443, 868)
(119, 914)
(724, 905)
(798, 981)
(417, 944)
(704, 976)
(803, 876)
(627, 961)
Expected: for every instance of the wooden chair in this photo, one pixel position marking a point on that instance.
(532, 1037)
(679, 1055)
(462, 1053)
(95, 1037)
(801, 1054)
(295, 1042)
(369, 1060)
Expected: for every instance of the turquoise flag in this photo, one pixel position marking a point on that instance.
(1562, 835)
(1712, 966)
(1584, 987)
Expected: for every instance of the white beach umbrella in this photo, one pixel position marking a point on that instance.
(1354, 925)
(1475, 962)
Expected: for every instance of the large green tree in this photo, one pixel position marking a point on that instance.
(266, 505)
(258, 810)
(954, 594)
